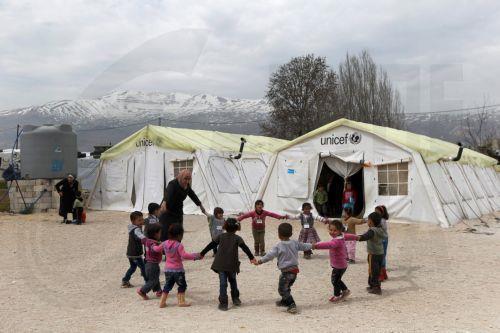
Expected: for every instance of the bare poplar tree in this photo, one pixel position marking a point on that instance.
(302, 95)
(366, 93)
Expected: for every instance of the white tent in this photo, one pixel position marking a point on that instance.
(135, 171)
(410, 174)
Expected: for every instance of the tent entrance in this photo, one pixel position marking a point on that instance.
(332, 175)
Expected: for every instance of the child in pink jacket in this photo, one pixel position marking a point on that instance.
(338, 258)
(174, 270)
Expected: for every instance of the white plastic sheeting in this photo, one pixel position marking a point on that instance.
(87, 172)
(132, 181)
(293, 177)
(254, 170)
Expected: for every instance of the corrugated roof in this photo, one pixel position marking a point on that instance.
(431, 149)
(192, 140)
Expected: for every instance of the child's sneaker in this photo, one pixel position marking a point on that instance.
(352, 261)
(236, 302)
(346, 293)
(223, 306)
(292, 308)
(262, 253)
(158, 293)
(336, 299)
(126, 284)
(143, 295)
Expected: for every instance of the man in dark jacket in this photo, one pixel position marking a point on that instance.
(172, 205)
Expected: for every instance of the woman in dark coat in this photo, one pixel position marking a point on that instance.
(172, 205)
(67, 189)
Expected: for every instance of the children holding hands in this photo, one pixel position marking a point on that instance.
(225, 244)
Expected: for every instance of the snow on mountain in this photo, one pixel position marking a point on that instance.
(133, 106)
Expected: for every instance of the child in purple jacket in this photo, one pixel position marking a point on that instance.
(153, 260)
(338, 258)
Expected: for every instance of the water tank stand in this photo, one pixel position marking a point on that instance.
(20, 192)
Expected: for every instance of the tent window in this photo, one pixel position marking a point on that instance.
(393, 179)
(225, 175)
(254, 170)
(181, 165)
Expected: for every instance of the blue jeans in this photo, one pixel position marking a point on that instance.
(385, 242)
(134, 263)
(224, 278)
(171, 278)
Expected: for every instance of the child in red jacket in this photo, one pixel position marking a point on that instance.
(259, 225)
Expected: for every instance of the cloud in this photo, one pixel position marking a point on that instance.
(55, 49)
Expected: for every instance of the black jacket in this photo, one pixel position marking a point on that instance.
(175, 195)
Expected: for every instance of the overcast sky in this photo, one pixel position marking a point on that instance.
(441, 54)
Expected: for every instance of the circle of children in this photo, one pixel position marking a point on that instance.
(225, 244)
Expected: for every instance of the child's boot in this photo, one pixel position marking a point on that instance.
(375, 290)
(223, 303)
(235, 296)
(181, 300)
(163, 300)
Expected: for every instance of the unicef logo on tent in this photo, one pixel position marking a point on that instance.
(355, 138)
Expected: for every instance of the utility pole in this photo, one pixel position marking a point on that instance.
(17, 136)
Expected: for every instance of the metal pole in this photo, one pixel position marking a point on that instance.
(17, 136)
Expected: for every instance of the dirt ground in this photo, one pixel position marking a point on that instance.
(66, 278)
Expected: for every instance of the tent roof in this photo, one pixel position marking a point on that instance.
(192, 140)
(431, 149)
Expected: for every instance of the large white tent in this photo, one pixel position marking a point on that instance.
(411, 174)
(135, 171)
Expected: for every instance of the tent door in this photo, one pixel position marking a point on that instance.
(332, 173)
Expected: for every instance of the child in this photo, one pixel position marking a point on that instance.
(78, 208)
(134, 248)
(153, 259)
(153, 214)
(216, 224)
(259, 225)
(174, 270)
(374, 238)
(349, 197)
(287, 252)
(320, 200)
(226, 262)
(308, 233)
(338, 258)
(383, 222)
(351, 223)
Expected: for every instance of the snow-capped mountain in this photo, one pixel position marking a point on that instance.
(131, 106)
(134, 109)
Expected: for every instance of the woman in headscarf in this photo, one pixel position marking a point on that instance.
(67, 189)
(172, 205)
